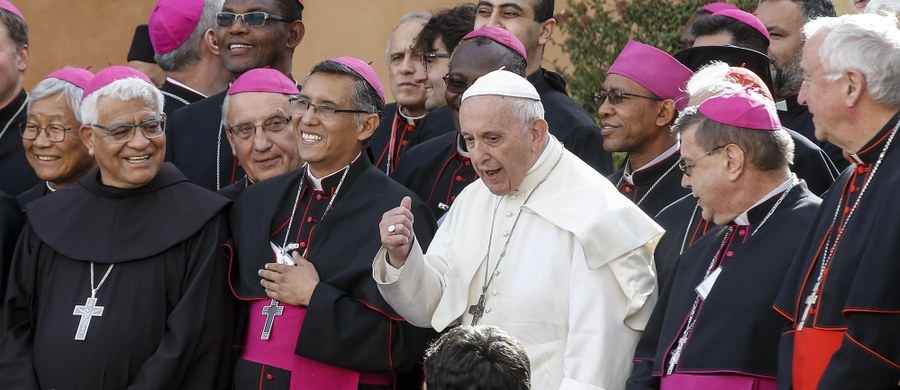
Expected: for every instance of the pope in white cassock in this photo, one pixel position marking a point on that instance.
(541, 246)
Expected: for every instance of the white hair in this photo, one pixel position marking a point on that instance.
(526, 110)
(421, 17)
(867, 43)
(124, 89)
(52, 86)
(883, 6)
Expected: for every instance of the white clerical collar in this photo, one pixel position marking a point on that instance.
(781, 105)
(176, 82)
(744, 219)
(409, 119)
(317, 182)
(628, 174)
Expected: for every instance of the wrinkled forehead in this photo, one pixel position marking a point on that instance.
(240, 6)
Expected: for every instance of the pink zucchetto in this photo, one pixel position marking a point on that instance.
(110, 74)
(364, 70)
(76, 76)
(655, 70)
(742, 109)
(264, 80)
(500, 36)
(746, 18)
(7, 5)
(172, 22)
(718, 6)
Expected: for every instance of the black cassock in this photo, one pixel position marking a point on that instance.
(436, 171)
(408, 133)
(11, 221)
(655, 187)
(735, 330)
(166, 316)
(34, 193)
(684, 225)
(858, 309)
(176, 96)
(196, 143)
(812, 164)
(16, 174)
(798, 118)
(347, 322)
(568, 121)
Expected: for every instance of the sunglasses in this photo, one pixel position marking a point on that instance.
(616, 96)
(256, 19)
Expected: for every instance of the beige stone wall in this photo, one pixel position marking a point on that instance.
(98, 32)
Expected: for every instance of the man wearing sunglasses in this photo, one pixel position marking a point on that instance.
(250, 34)
(714, 327)
(639, 99)
(181, 32)
(437, 170)
(532, 22)
(257, 112)
(120, 281)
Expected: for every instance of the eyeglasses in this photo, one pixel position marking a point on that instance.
(324, 110)
(256, 19)
(616, 96)
(273, 125)
(428, 58)
(687, 168)
(55, 133)
(122, 133)
(455, 84)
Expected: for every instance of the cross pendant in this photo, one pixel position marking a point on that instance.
(477, 310)
(676, 354)
(86, 311)
(270, 311)
(810, 301)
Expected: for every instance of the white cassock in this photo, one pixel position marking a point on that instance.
(576, 286)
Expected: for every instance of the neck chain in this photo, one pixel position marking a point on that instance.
(687, 231)
(655, 183)
(828, 250)
(676, 354)
(477, 310)
(219, 157)
(287, 231)
(176, 97)
(94, 290)
(12, 118)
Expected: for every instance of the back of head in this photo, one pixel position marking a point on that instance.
(813, 9)
(449, 25)
(477, 358)
(742, 34)
(188, 52)
(867, 43)
(513, 61)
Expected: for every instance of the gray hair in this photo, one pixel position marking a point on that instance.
(363, 97)
(52, 86)
(417, 16)
(188, 53)
(526, 110)
(868, 43)
(227, 103)
(124, 90)
(766, 150)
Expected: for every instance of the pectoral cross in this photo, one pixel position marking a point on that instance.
(86, 311)
(810, 301)
(676, 354)
(477, 310)
(270, 312)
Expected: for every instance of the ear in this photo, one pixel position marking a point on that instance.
(538, 131)
(735, 161)
(666, 113)
(854, 88)
(368, 127)
(547, 28)
(209, 40)
(22, 58)
(296, 33)
(87, 137)
(231, 142)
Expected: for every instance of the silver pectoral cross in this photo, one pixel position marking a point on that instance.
(270, 311)
(676, 354)
(86, 311)
(810, 301)
(477, 310)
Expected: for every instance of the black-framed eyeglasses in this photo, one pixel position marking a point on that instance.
(55, 133)
(273, 125)
(323, 110)
(456, 85)
(428, 58)
(256, 19)
(616, 96)
(123, 132)
(687, 168)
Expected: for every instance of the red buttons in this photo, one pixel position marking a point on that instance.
(458, 178)
(742, 232)
(467, 163)
(861, 169)
(404, 142)
(270, 377)
(318, 196)
(729, 254)
(627, 189)
(310, 219)
(452, 198)
(853, 188)
(303, 244)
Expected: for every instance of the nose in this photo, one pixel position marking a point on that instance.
(494, 20)
(261, 141)
(420, 75)
(606, 109)
(802, 96)
(408, 66)
(43, 139)
(685, 181)
(139, 140)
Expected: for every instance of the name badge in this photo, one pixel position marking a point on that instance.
(706, 286)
